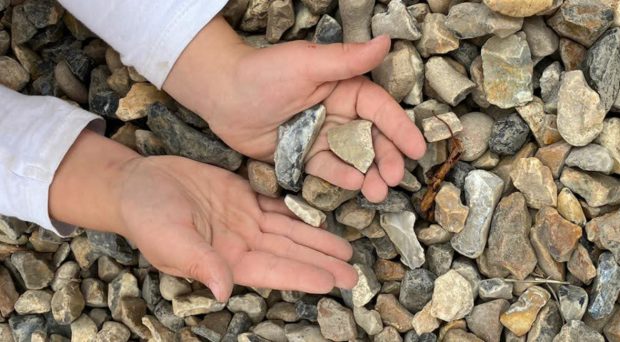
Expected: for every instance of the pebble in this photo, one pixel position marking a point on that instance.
(22, 30)
(253, 305)
(352, 142)
(573, 302)
(439, 258)
(437, 38)
(83, 329)
(604, 232)
(487, 161)
(570, 208)
(304, 211)
(388, 334)
(477, 130)
(508, 69)
(535, 181)
(508, 135)
(356, 21)
(36, 272)
(612, 329)
(577, 331)
(119, 81)
(283, 311)
(441, 127)
(369, 320)
(541, 39)
(592, 157)
(547, 324)
(453, 297)
(183, 140)
(395, 202)
(324, 195)
(393, 313)
(559, 236)
(67, 303)
(433, 234)
(5, 42)
(482, 192)
(30, 302)
(396, 73)
(12, 74)
(163, 312)
(255, 16)
(131, 312)
(303, 333)
(423, 322)
(546, 262)
(449, 84)
(23, 327)
(9, 297)
(476, 72)
(270, 330)
(112, 245)
(367, 285)
(138, 100)
(280, 17)
(495, 289)
(399, 229)
(597, 189)
(65, 274)
(108, 268)
(602, 67)
(94, 292)
(450, 213)
(483, 320)
(262, 177)
(328, 31)
(353, 215)
(606, 287)
(123, 286)
(471, 20)
(196, 303)
(148, 144)
(69, 84)
(519, 8)
(610, 139)
(554, 157)
(580, 265)
(158, 331)
(410, 182)
(395, 22)
(550, 85)
(150, 290)
(581, 20)
(336, 322)
(521, 315)
(387, 270)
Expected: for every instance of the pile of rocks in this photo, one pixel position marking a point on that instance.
(526, 240)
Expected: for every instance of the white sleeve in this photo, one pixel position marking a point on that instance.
(35, 134)
(150, 35)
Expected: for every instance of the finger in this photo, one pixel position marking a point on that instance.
(388, 159)
(318, 239)
(333, 62)
(274, 205)
(264, 270)
(374, 189)
(330, 168)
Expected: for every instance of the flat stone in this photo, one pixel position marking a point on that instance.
(138, 100)
(508, 135)
(602, 67)
(83, 329)
(253, 305)
(453, 297)
(35, 271)
(597, 189)
(396, 74)
(94, 292)
(196, 303)
(483, 320)
(423, 321)
(336, 321)
(369, 320)
(610, 139)
(352, 214)
(554, 157)
(395, 22)
(516, 8)
(441, 127)
(482, 192)
(449, 84)
(395, 202)
(367, 286)
(547, 324)
(575, 331)
(541, 39)
(508, 69)
(303, 332)
(123, 286)
(573, 302)
(324, 195)
(67, 303)
(437, 38)
(393, 313)
(112, 245)
(570, 208)
(12, 74)
(280, 17)
(591, 157)
(495, 289)
(399, 228)
(521, 315)
(471, 20)
(352, 142)
(477, 129)
(535, 181)
(580, 265)
(270, 330)
(183, 140)
(262, 177)
(328, 31)
(606, 287)
(9, 298)
(581, 20)
(304, 211)
(450, 213)
(23, 327)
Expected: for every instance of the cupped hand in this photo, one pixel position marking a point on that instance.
(245, 94)
(198, 221)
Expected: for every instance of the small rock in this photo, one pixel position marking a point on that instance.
(450, 85)
(439, 258)
(386, 270)
(508, 71)
(119, 81)
(519, 8)
(9, 298)
(83, 329)
(303, 333)
(352, 214)
(270, 330)
(112, 245)
(367, 285)
(150, 290)
(197, 303)
(477, 128)
(471, 20)
(592, 157)
(547, 324)
(369, 320)
(108, 269)
(580, 265)
(581, 20)
(124, 285)
(137, 102)
(606, 287)
(304, 211)
(495, 289)
(436, 38)
(304, 20)
(484, 320)
(554, 157)
(546, 262)
(453, 297)
(605, 232)
(416, 289)
(5, 42)
(577, 331)
(541, 39)
(572, 54)
(597, 189)
(550, 86)
(394, 202)
(410, 182)
(280, 17)
(508, 135)
(441, 127)
(69, 84)
(262, 177)
(131, 312)
(31, 302)
(476, 72)
(148, 144)
(487, 161)
(65, 274)
(283, 311)
(450, 213)
(423, 321)
(460, 335)
(163, 312)
(535, 181)
(570, 208)
(612, 329)
(396, 74)
(415, 96)
(12, 74)
(352, 142)
(356, 21)
(396, 22)
(158, 331)
(389, 334)
(399, 228)
(433, 234)
(94, 293)
(67, 303)
(521, 315)
(573, 302)
(22, 30)
(324, 195)
(482, 192)
(328, 31)
(255, 16)
(35, 272)
(393, 313)
(559, 236)
(602, 68)
(23, 327)
(253, 305)
(336, 321)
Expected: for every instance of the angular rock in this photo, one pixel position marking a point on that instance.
(395, 22)
(369, 320)
(31, 302)
(535, 181)
(541, 39)
(131, 312)
(546, 262)
(570, 208)
(415, 96)
(482, 192)
(303, 332)
(324, 195)
(67, 303)
(495, 289)
(433, 234)
(572, 54)
(450, 85)
(304, 211)
(163, 312)
(581, 20)
(9, 298)
(471, 20)
(547, 324)
(436, 38)
(476, 72)
(575, 331)
(508, 135)
(554, 157)
(410, 182)
(389, 334)
(112, 245)
(450, 213)
(441, 127)
(136, 104)
(367, 285)
(605, 232)
(612, 329)
(356, 21)
(610, 139)
(280, 17)
(399, 228)
(328, 31)
(283, 311)
(158, 331)
(396, 74)
(113, 331)
(23, 327)
(439, 258)
(519, 8)
(123, 286)
(521, 315)
(148, 144)
(393, 313)
(423, 322)
(12, 74)
(352, 214)
(477, 128)
(559, 236)
(94, 292)
(35, 271)
(304, 20)
(416, 289)
(263, 180)
(253, 305)
(453, 297)
(508, 69)
(550, 86)
(591, 157)
(196, 303)
(580, 265)
(255, 16)
(597, 189)
(270, 330)
(352, 142)
(484, 320)
(181, 139)
(83, 329)
(69, 84)
(573, 302)
(22, 30)
(606, 287)
(336, 321)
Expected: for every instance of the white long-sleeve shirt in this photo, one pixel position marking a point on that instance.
(36, 132)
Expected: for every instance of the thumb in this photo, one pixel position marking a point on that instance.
(335, 62)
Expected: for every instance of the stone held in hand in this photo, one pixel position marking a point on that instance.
(606, 287)
(352, 142)
(304, 211)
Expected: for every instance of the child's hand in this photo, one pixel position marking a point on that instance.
(245, 94)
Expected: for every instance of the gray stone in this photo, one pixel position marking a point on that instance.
(591, 157)
(541, 39)
(280, 17)
(108, 269)
(441, 127)
(581, 20)
(12, 74)
(394, 202)
(356, 17)
(508, 135)
(67, 303)
(304, 20)
(270, 330)
(451, 86)
(196, 303)
(484, 320)
(163, 312)
(352, 142)
(508, 70)
(436, 38)
(395, 22)
(112, 245)
(150, 290)
(253, 305)
(468, 269)
(83, 329)
(471, 20)
(439, 258)
(367, 285)
(453, 297)
(123, 286)
(352, 214)
(606, 287)
(369, 320)
(415, 96)
(610, 139)
(573, 302)
(24, 326)
(328, 31)
(307, 311)
(550, 87)
(597, 189)
(389, 334)
(283, 311)
(181, 139)
(495, 289)
(255, 16)
(303, 333)
(158, 331)
(577, 331)
(131, 311)
(324, 195)
(547, 324)
(304, 211)
(396, 73)
(416, 289)
(465, 54)
(477, 129)
(459, 172)
(482, 191)
(34, 270)
(399, 228)
(336, 321)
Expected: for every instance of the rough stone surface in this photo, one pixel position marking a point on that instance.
(521, 315)
(604, 232)
(399, 228)
(610, 139)
(508, 135)
(280, 17)
(495, 288)
(356, 17)
(304, 211)
(606, 287)
(336, 321)
(416, 289)
(395, 22)
(484, 320)
(196, 303)
(575, 331)
(34, 270)
(328, 31)
(369, 320)
(423, 321)
(559, 236)
(554, 157)
(548, 323)
(67, 303)
(262, 177)
(436, 38)
(541, 39)
(393, 313)
(580, 265)
(367, 285)
(453, 297)
(395, 202)
(516, 8)
(441, 127)
(592, 157)
(471, 20)
(324, 195)
(450, 85)
(352, 214)
(12, 74)
(581, 20)
(450, 213)
(535, 181)
(352, 142)
(396, 73)
(477, 129)
(294, 141)
(597, 189)
(602, 67)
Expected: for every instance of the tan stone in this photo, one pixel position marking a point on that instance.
(535, 181)
(119, 81)
(547, 264)
(612, 329)
(441, 127)
(604, 231)
(597, 189)
(542, 125)
(610, 138)
(445, 329)
(139, 98)
(423, 322)
(352, 142)
(554, 156)
(410, 182)
(519, 8)
(487, 161)
(393, 313)
(450, 213)
(262, 177)
(569, 207)
(459, 335)
(304, 211)
(453, 297)
(580, 265)
(8, 294)
(324, 195)
(436, 37)
(351, 214)
(126, 135)
(521, 315)
(572, 54)
(433, 234)
(506, 165)
(559, 236)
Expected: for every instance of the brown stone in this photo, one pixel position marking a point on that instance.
(506, 165)
(597, 189)
(324, 195)
(535, 181)
(423, 322)
(580, 265)
(559, 236)
(450, 213)
(604, 231)
(570, 208)
(433, 234)
(459, 335)
(552, 269)
(521, 315)
(484, 319)
(8, 294)
(572, 54)
(393, 313)
(542, 125)
(554, 156)
(387, 270)
(612, 329)
(262, 177)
